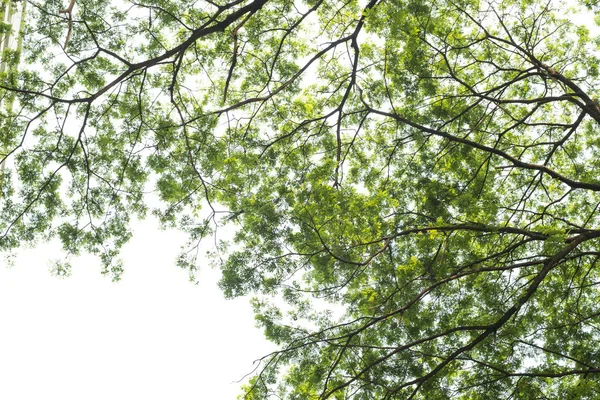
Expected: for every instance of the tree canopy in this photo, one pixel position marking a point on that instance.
(414, 184)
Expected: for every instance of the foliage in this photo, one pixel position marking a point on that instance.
(426, 170)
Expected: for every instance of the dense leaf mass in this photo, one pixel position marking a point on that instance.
(414, 183)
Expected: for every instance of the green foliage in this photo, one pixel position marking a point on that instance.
(413, 184)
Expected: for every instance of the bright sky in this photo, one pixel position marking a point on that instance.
(154, 335)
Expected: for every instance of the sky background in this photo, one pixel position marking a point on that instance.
(154, 335)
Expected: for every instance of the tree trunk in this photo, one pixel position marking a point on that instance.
(12, 15)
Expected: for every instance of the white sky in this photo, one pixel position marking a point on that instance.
(154, 335)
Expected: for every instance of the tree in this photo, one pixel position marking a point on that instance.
(425, 170)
